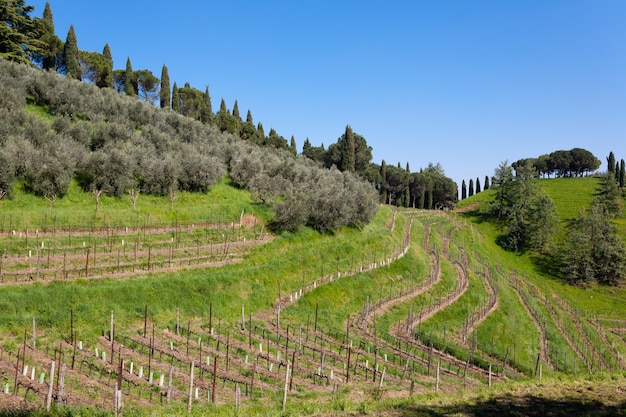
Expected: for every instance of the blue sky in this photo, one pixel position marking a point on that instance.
(467, 84)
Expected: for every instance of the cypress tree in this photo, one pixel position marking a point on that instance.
(236, 110)
(621, 174)
(407, 190)
(70, 55)
(249, 117)
(47, 17)
(486, 182)
(383, 180)
(175, 99)
(477, 185)
(223, 108)
(105, 78)
(129, 88)
(207, 100)
(52, 51)
(165, 97)
(611, 164)
(206, 111)
(463, 190)
(429, 199)
(306, 148)
(348, 151)
(294, 148)
(471, 188)
(259, 129)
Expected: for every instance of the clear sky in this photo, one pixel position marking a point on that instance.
(467, 84)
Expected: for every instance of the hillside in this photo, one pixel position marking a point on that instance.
(414, 308)
(153, 264)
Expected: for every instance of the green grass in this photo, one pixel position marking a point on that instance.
(305, 256)
(571, 194)
(223, 203)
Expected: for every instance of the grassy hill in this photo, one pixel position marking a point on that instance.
(409, 293)
(192, 306)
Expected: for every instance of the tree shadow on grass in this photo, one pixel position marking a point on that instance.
(550, 266)
(514, 406)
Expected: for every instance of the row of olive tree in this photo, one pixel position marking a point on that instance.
(302, 192)
(113, 144)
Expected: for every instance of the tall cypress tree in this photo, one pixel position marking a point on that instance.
(129, 85)
(48, 18)
(165, 96)
(223, 108)
(236, 110)
(407, 189)
(207, 101)
(486, 182)
(463, 190)
(348, 151)
(175, 99)
(105, 78)
(429, 200)
(293, 146)
(383, 180)
(259, 128)
(70, 55)
(249, 117)
(477, 185)
(610, 160)
(471, 188)
(52, 49)
(621, 174)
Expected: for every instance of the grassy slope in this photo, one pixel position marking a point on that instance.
(570, 195)
(287, 261)
(77, 209)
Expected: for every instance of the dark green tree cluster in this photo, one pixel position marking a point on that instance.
(573, 163)
(592, 251)
(427, 189)
(615, 169)
(526, 213)
(430, 188)
(464, 189)
(20, 36)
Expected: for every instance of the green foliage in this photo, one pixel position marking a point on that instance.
(175, 99)
(592, 250)
(147, 85)
(71, 55)
(165, 97)
(573, 163)
(50, 56)
(113, 145)
(129, 83)
(430, 188)
(18, 33)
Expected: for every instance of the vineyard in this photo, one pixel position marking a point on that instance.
(445, 319)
